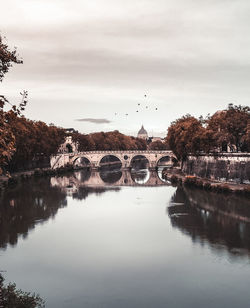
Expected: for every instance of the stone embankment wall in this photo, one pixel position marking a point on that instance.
(219, 166)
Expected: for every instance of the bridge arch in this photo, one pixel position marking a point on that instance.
(164, 160)
(114, 159)
(81, 161)
(140, 159)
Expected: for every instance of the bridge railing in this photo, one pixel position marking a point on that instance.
(119, 152)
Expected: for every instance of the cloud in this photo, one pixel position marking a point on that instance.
(188, 55)
(92, 120)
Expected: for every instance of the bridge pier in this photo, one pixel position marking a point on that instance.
(152, 168)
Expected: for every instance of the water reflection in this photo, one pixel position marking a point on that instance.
(29, 203)
(140, 176)
(110, 176)
(105, 178)
(36, 200)
(222, 220)
(159, 173)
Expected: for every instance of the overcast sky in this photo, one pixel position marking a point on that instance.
(96, 59)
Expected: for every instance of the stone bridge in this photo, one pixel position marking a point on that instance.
(94, 158)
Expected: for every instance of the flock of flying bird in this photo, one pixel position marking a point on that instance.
(139, 104)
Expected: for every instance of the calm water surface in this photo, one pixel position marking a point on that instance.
(121, 239)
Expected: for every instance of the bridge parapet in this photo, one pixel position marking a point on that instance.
(125, 152)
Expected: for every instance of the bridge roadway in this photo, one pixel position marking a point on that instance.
(95, 157)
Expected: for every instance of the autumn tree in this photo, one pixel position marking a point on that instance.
(116, 141)
(105, 141)
(7, 139)
(231, 127)
(246, 137)
(185, 136)
(157, 145)
(140, 144)
(35, 141)
(85, 142)
(228, 128)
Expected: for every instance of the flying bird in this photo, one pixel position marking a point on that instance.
(139, 104)
(136, 110)
(156, 108)
(145, 95)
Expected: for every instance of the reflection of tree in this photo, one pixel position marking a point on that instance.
(35, 201)
(23, 206)
(83, 191)
(221, 220)
(84, 174)
(12, 297)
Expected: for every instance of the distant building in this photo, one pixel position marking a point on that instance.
(142, 133)
(69, 146)
(153, 139)
(70, 130)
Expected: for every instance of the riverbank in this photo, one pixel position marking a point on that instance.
(176, 176)
(224, 167)
(15, 178)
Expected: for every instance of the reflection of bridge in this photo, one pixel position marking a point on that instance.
(94, 158)
(99, 179)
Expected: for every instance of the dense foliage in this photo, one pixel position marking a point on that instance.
(34, 140)
(157, 145)
(184, 136)
(22, 140)
(7, 139)
(227, 129)
(13, 298)
(231, 127)
(108, 141)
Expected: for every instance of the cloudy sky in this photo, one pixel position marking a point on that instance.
(87, 60)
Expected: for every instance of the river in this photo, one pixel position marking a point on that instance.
(125, 239)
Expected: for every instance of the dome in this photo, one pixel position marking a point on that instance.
(142, 131)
